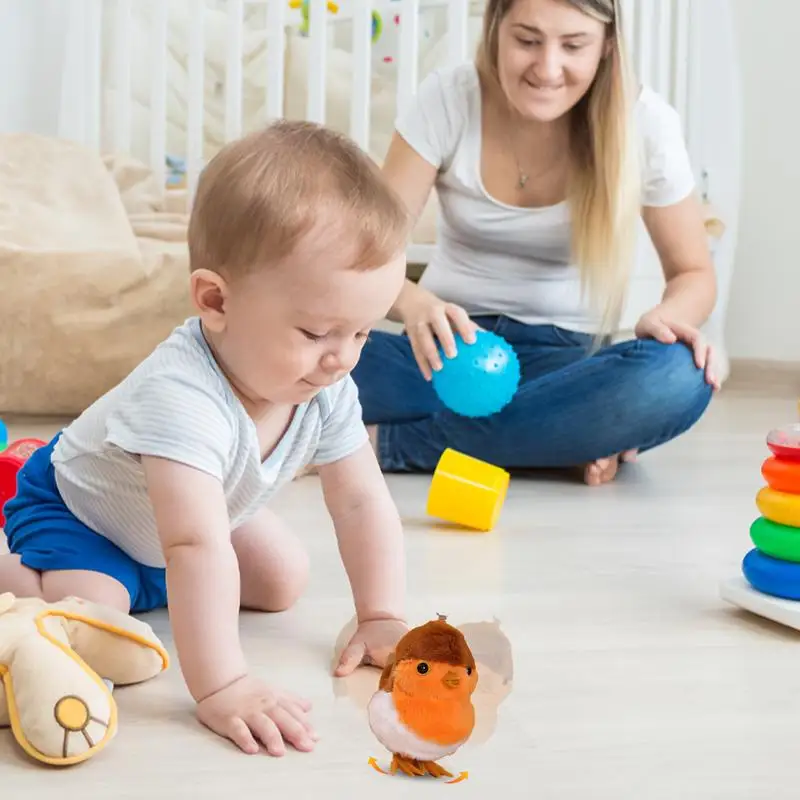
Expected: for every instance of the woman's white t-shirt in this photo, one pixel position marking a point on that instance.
(493, 258)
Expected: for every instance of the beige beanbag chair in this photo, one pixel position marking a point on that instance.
(93, 270)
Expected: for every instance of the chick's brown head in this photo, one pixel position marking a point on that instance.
(434, 661)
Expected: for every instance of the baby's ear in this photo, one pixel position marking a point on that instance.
(208, 294)
(386, 682)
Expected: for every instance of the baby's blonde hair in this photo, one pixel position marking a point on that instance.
(604, 191)
(261, 195)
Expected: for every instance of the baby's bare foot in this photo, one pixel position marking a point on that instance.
(372, 432)
(309, 469)
(605, 469)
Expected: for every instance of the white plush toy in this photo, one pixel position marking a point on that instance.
(53, 659)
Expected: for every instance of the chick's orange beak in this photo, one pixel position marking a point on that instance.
(450, 679)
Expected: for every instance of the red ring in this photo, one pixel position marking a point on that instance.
(785, 442)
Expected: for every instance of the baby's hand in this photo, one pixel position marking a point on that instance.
(372, 643)
(249, 711)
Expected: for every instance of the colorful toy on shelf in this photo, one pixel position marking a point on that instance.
(770, 586)
(481, 379)
(467, 491)
(11, 460)
(302, 6)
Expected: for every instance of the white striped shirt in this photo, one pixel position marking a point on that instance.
(177, 404)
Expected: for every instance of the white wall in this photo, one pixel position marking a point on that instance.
(764, 309)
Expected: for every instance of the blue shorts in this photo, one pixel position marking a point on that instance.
(48, 536)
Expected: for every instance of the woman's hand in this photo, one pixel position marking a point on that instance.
(427, 318)
(655, 325)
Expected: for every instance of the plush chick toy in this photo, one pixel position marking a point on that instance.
(53, 659)
(423, 708)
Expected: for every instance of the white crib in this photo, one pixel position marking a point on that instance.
(171, 80)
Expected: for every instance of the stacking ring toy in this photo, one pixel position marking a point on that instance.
(779, 507)
(785, 442)
(771, 575)
(778, 541)
(782, 475)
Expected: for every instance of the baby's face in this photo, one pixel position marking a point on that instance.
(294, 329)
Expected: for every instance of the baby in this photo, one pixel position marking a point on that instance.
(158, 494)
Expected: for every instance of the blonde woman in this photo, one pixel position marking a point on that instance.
(544, 157)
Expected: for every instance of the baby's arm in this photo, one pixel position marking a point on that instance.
(204, 597)
(370, 537)
(202, 574)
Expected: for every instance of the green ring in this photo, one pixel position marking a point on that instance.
(377, 26)
(778, 541)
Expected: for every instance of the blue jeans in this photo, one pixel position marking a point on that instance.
(571, 408)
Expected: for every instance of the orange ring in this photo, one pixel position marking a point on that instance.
(782, 475)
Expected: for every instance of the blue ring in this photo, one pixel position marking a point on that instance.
(771, 575)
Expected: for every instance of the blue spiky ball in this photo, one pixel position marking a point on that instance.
(481, 379)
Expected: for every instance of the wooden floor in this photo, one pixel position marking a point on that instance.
(610, 667)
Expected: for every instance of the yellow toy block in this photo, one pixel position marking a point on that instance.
(467, 491)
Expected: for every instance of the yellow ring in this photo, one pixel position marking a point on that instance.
(779, 507)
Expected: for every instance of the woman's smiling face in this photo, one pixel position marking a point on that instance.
(548, 55)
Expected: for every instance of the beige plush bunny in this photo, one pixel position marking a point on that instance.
(53, 659)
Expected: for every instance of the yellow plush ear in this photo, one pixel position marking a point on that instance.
(116, 646)
(61, 713)
(53, 658)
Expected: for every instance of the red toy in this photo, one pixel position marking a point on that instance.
(785, 442)
(11, 461)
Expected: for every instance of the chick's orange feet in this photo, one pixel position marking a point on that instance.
(415, 768)
(434, 770)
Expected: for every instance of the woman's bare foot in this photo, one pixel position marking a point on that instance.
(605, 469)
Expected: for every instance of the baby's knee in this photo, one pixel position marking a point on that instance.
(279, 583)
(289, 584)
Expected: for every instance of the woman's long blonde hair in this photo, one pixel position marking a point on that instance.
(604, 186)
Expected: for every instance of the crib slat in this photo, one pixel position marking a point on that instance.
(233, 70)
(317, 66)
(408, 61)
(694, 130)
(680, 66)
(93, 10)
(158, 90)
(646, 39)
(196, 89)
(122, 77)
(457, 21)
(663, 20)
(276, 49)
(362, 73)
(628, 14)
